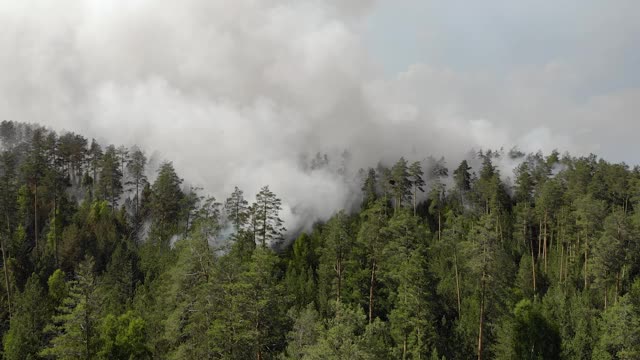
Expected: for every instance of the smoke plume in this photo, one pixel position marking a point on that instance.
(246, 93)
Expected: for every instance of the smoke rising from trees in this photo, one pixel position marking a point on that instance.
(246, 93)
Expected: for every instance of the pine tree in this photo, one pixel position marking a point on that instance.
(136, 168)
(369, 192)
(117, 285)
(437, 172)
(123, 157)
(609, 255)
(8, 134)
(302, 269)
(207, 217)
(269, 228)
(252, 325)
(528, 335)
(236, 208)
(400, 183)
(405, 266)
(333, 259)
(8, 207)
(166, 203)
(110, 180)
(490, 268)
(462, 180)
(341, 338)
(34, 169)
(417, 182)
(305, 333)
(589, 213)
(372, 239)
(94, 161)
(620, 328)
(123, 337)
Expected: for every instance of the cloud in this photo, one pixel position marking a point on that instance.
(237, 93)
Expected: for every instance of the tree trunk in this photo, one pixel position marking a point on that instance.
(439, 226)
(524, 233)
(482, 297)
(414, 200)
(419, 343)
(371, 286)
(6, 275)
(567, 263)
(586, 259)
(35, 216)
(617, 287)
(338, 269)
(455, 267)
(404, 347)
(561, 262)
(264, 228)
(545, 241)
(481, 319)
(95, 180)
(137, 197)
(533, 267)
(55, 230)
(540, 239)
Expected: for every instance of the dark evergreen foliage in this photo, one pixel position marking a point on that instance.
(99, 263)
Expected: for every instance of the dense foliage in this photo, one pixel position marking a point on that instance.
(98, 262)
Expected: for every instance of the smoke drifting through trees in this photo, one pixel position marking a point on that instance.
(235, 93)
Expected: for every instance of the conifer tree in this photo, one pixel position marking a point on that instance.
(34, 169)
(136, 168)
(372, 239)
(25, 338)
(417, 182)
(266, 216)
(405, 267)
(400, 183)
(94, 159)
(166, 203)
(74, 330)
(333, 260)
(110, 180)
(369, 188)
(236, 208)
(462, 180)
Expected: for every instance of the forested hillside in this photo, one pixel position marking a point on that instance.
(440, 261)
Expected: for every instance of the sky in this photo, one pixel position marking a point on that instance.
(246, 92)
(562, 74)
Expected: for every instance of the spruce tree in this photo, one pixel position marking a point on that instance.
(25, 338)
(74, 329)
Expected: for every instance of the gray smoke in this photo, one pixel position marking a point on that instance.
(236, 93)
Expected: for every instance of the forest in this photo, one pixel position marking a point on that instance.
(436, 261)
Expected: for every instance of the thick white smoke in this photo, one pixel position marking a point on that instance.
(236, 93)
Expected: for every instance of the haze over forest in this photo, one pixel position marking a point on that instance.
(235, 93)
(319, 179)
